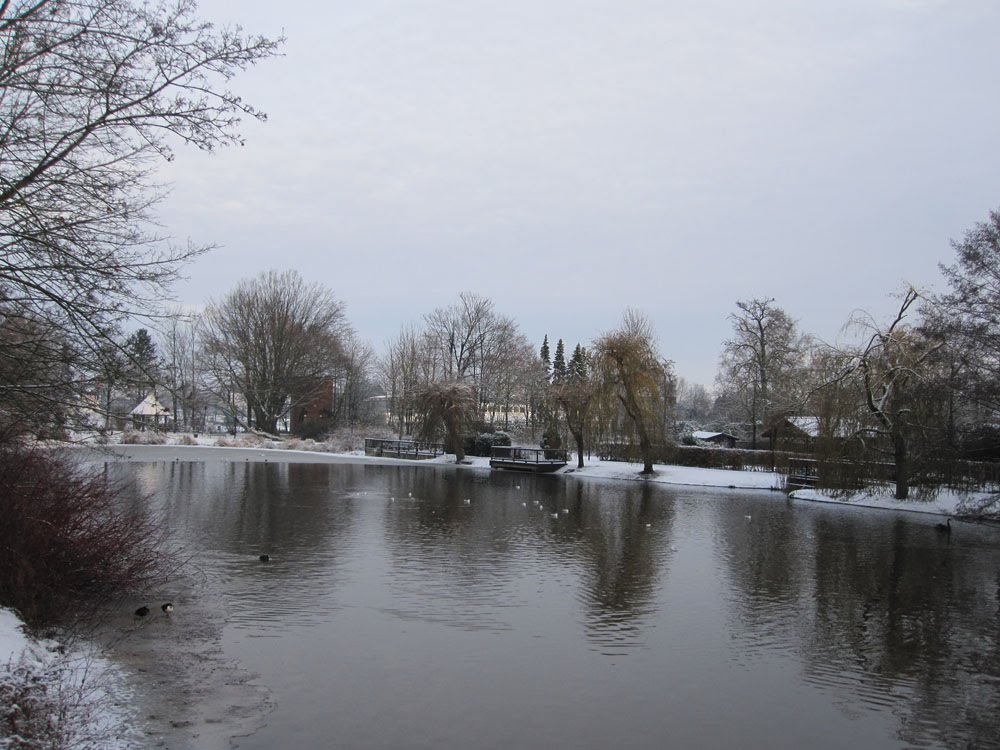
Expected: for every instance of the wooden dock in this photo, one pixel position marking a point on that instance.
(534, 460)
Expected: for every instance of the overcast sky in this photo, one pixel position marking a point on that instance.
(569, 159)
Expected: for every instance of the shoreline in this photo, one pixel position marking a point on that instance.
(943, 503)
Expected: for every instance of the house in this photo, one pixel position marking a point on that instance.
(150, 413)
(793, 433)
(316, 414)
(717, 438)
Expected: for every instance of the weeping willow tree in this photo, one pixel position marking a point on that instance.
(449, 406)
(634, 380)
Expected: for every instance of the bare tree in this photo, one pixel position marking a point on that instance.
(892, 364)
(36, 360)
(764, 349)
(353, 380)
(274, 339)
(632, 375)
(184, 366)
(92, 94)
(400, 371)
(468, 341)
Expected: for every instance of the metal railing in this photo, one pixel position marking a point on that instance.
(402, 448)
(517, 454)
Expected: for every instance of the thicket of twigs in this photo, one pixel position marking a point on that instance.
(69, 541)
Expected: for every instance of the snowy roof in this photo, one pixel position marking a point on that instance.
(150, 407)
(808, 425)
(702, 435)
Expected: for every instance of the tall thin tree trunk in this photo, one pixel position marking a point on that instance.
(901, 455)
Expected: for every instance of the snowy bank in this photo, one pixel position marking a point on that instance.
(945, 502)
(54, 697)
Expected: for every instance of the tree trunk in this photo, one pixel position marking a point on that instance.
(900, 453)
(646, 448)
(645, 444)
(453, 436)
(578, 437)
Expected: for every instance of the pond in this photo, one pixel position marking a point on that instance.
(434, 607)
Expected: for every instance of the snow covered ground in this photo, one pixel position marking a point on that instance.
(72, 694)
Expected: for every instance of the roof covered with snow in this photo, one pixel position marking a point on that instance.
(150, 407)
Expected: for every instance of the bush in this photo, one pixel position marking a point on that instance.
(143, 437)
(315, 431)
(68, 544)
(483, 444)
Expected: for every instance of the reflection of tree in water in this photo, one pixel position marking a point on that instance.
(452, 562)
(763, 564)
(465, 563)
(618, 535)
(253, 507)
(918, 613)
(880, 610)
(234, 512)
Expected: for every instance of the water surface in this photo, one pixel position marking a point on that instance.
(429, 607)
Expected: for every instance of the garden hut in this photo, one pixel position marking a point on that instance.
(150, 413)
(723, 439)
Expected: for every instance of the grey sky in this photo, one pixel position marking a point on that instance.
(571, 159)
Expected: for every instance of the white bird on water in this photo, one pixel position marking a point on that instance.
(467, 501)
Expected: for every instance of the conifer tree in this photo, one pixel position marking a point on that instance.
(559, 363)
(576, 396)
(546, 358)
(578, 364)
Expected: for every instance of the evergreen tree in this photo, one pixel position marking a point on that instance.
(576, 396)
(559, 363)
(578, 364)
(546, 358)
(143, 362)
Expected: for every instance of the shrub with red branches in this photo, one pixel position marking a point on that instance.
(69, 542)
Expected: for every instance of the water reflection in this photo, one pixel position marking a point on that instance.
(882, 612)
(861, 627)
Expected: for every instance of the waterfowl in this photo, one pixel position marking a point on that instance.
(264, 558)
(944, 528)
(167, 608)
(142, 611)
